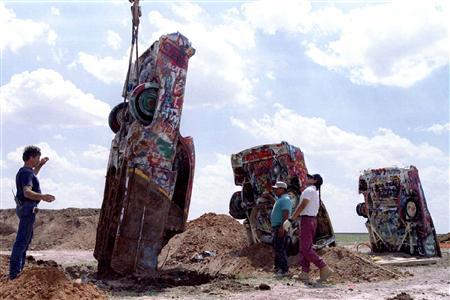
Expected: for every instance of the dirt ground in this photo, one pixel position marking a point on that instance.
(209, 260)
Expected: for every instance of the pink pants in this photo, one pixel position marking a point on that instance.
(306, 235)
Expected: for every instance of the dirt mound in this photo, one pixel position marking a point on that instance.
(70, 228)
(216, 245)
(210, 233)
(44, 282)
(354, 267)
(444, 237)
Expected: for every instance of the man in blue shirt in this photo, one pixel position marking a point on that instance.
(281, 212)
(27, 198)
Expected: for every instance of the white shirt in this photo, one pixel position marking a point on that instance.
(312, 195)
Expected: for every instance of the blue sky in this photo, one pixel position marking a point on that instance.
(354, 84)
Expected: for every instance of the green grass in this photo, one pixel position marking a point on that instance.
(351, 238)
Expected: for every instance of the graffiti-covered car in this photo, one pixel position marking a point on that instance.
(256, 170)
(398, 219)
(150, 168)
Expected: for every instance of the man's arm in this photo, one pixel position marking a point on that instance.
(285, 217)
(300, 208)
(39, 166)
(29, 194)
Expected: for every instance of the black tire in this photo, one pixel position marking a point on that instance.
(361, 210)
(115, 117)
(235, 208)
(143, 105)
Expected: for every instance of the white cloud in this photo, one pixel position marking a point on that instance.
(2, 164)
(113, 39)
(106, 69)
(59, 137)
(54, 11)
(16, 33)
(270, 75)
(271, 16)
(46, 98)
(437, 129)
(218, 73)
(97, 152)
(340, 156)
(7, 188)
(51, 37)
(410, 42)
(396, 43)
(213, 187)
(187, 10)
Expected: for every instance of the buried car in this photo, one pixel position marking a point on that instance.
(150, 169)
(256, 170)
(398, 219)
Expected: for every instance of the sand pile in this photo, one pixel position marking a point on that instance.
(44, 282)
(354, 267)
(70, 228)
(224, 238)
(211, 233)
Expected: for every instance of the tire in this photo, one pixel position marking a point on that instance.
(143, 102)
(411, 210)
(235, 209)
(115, 118)
(361, 210)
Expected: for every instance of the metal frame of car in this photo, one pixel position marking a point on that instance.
(151, 166)
(256, 170)
(397, 215)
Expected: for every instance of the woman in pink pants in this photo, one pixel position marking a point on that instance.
(308, 210)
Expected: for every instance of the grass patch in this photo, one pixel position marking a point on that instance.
(351, 238)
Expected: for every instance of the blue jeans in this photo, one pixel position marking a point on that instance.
(279, 246)
(23, 239)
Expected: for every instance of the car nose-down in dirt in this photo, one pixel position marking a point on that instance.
(256, 170)
(398, 219)
(150, 169)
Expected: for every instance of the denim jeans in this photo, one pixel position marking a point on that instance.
(23, 239)
(279, 246)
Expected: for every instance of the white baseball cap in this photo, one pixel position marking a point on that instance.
(280, 185)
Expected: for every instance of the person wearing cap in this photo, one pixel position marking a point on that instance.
(281, 212)
(307, 211)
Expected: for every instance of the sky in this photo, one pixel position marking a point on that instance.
(354, 84)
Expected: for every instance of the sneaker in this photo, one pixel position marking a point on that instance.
(281, 274)
(303, 277)
(325, 273)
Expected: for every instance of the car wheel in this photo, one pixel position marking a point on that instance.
(115, 118)
(361, 210)
(236, 210)
(143, 101)
(411, 210)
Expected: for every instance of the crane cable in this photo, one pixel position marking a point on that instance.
(136, 14)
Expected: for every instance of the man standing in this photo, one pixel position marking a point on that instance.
(27, 198)
(308, 210)
(280, 213)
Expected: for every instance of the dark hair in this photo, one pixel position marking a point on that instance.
(30, 151)
(318, 183)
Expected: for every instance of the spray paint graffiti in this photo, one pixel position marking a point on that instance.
(398, 219)
(256, 170)
(150, 169)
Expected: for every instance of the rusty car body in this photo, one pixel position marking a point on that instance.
(256, 170)
(151, 166)
(397, 215)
